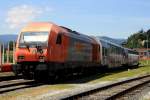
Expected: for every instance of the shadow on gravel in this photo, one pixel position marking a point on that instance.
(79, 78)
(87, 77)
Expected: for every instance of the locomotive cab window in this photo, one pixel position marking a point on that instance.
(59, 39)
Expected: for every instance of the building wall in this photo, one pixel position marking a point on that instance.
(144, 53)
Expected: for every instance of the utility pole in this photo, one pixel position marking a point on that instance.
(8, 53)
(3, 54)
(0, 55)
(147, 49)
(13, 52)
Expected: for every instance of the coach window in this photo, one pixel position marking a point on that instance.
(59, 39)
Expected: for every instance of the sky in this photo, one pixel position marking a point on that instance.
(112, 18)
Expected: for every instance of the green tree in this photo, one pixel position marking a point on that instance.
(138, 40)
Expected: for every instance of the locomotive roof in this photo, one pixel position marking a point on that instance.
(78, 35)
(46, 26)
(38, 26)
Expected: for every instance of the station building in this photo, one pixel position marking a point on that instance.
(144, 53)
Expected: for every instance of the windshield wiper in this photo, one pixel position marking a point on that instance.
(27, 46)
(39, 48)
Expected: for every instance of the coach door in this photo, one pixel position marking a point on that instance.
(104, 55)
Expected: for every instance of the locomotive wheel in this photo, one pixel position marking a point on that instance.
(16, 69)
(27, 75)
(43, 76)
(37, 75)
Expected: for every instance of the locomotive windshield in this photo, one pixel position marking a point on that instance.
(33, 39)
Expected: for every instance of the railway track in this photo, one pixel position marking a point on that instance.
(112, 91)
(11, 85)
(7, 78)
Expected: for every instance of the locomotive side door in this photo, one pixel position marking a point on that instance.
(58, 48)
(95, 56)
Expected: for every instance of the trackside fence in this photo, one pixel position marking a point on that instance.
(7, 53)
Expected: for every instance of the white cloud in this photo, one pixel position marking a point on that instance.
(18, 16)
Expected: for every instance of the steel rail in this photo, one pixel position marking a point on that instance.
(104, 88)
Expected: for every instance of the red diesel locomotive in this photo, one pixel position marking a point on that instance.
(44, 48)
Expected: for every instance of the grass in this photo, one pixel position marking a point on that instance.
(144, 62)
(33, 92)
(60, 86)
(115, 75)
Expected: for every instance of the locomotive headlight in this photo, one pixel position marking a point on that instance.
(41, 58)
(21, 57)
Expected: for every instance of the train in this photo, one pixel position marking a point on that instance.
(46, 49)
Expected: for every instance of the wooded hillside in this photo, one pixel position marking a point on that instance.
(139, 40)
